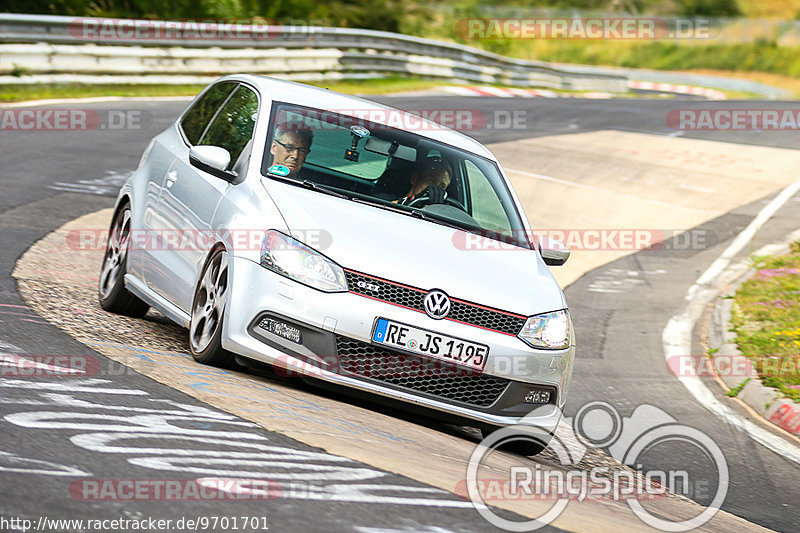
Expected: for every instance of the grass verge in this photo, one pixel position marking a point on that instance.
(766, 320)
(18, 93)
(780, 81)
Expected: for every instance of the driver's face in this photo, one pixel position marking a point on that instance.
(434, 174)
(290, 150)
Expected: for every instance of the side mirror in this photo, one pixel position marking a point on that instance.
(212, 159)
(553, 252)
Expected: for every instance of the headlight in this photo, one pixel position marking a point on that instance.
(293, 259)
(551, 331)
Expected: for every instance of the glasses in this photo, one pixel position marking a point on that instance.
(292, 148)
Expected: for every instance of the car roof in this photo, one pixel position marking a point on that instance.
(309, 96)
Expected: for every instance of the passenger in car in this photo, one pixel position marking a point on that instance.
(429, 180)
(290, 147)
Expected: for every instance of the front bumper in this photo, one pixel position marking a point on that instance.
(336, 347)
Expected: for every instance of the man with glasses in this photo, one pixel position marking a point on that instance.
(428, 182)
(290, 147)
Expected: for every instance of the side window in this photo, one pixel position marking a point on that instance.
(487, 209)
(232, 128)
(196, 119)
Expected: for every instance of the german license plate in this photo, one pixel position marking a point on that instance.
(429, 343)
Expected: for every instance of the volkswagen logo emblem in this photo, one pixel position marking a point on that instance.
(436, 304)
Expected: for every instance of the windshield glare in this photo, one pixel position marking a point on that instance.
(347, 152)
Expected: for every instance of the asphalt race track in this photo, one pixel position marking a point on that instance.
(620, 309)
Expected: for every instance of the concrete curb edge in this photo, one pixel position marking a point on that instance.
(765, 401)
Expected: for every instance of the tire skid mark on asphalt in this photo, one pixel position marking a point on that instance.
(30, 316)
(106, 186)
(334, 475)
(12, 462)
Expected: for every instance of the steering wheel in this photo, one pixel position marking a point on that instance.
(425, 200)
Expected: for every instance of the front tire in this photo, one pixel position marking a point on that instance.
(113, 295)
(208, 309)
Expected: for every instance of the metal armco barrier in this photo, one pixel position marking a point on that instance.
(55, 48)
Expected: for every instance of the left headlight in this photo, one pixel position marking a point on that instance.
(293, 259)
(551, 331)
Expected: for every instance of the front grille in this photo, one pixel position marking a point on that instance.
(419, 374)
(412, 297)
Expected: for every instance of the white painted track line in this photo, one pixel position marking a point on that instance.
(677, 335)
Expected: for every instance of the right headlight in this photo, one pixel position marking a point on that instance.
(551, 331)
(293, 259)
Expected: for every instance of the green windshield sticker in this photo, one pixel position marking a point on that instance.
(278, 170)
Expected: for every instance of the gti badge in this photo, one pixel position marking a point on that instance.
(361, 284)
(436, 304)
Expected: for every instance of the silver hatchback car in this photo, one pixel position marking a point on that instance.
(347, 242)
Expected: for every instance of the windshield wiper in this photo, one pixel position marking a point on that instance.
(400, 208)
(391, 206)
(308, 184)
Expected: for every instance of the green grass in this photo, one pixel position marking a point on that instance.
(734, 392)
(760, 55)
(766, 320)
(660, 55)
(17, 93)
(379, 86)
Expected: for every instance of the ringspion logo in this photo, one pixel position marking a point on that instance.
(597, 424)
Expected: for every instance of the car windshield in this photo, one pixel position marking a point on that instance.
(353, 152)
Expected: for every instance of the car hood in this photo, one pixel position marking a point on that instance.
(416, 252)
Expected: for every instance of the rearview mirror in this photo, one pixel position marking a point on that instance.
(212, 159)
(553, 252)
(398, 151)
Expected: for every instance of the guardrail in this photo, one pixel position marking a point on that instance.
(54, 45)
(55, 48)
(685, 78)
